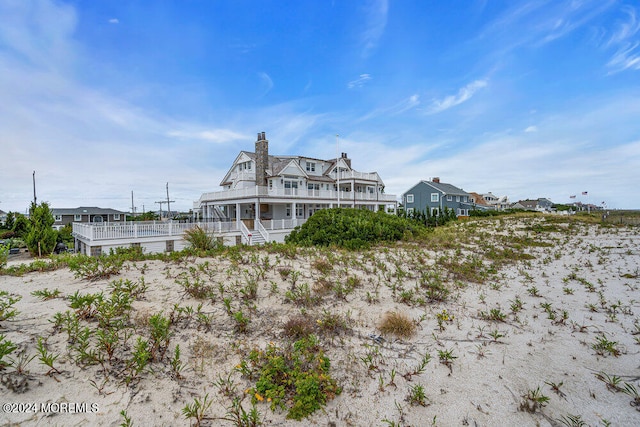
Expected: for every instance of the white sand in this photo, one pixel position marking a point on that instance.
(484, 385)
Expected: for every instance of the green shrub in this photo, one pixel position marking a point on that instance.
(199, 239)
(41, 238)
(4, 255)
(296, 378)
(351, 228)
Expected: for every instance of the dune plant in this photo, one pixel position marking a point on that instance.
(7, 301)
(533, 400)
(47, 358)
(397, 323)
(6, 348)
(196, 411)
(417, 396)
(295, 378)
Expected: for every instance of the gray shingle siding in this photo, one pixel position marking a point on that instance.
(422, 197)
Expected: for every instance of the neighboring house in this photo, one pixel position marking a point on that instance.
(498, 203)
(283, 191)
(539, 205)
(478, 201)
(434, 196)
(64, 216)
(3, 217)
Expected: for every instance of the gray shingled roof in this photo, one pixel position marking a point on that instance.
(447, 188)
(84, 210)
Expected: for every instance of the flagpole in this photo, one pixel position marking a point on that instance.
(337, 170)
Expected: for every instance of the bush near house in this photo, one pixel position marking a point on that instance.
(352, 228)
(41, 238)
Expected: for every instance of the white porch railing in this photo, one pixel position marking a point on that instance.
(297, 193)
(134, 230)
(262, 231)
(359, 175)
(246, 234)
(282, 224)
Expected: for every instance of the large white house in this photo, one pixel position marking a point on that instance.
(269, 195)
(262, 199)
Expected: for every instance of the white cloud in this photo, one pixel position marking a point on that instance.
(114, 21)
(375, 22)
(217, 136)
(267, 83)
(463, 95)
(359, 82)
(531, 129)
(626, 42)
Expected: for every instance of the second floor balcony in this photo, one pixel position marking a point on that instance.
(293, 193)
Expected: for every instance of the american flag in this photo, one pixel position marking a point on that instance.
(584, 193)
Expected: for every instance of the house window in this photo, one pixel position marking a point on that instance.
(290, 187)
(409, 210)
(449, 197)
(77, 217)
(435, 197)
(464, 199)
(299, 211)
(311, 167)
(116, 217)
(288, 213)
(313, 186)
(434, 211)
(58, 218)
(457, 198)
(409, 198)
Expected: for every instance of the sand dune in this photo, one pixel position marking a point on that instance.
(525, 322)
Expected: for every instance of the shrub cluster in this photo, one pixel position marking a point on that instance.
(296, 378)
(352, 228)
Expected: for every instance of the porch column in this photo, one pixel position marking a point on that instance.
(257, 211)
(293, 213)
(238, 213)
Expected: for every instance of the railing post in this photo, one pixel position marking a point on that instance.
(135, 231)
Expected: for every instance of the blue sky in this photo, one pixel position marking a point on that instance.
(520, 98)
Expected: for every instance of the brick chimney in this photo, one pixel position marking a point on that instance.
(436, 180)
(346, 159)
(262, 159)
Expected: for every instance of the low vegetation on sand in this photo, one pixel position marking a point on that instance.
(359, 319)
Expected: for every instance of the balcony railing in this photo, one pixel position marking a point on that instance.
(135, 230)
(373, 176)
(293, 193)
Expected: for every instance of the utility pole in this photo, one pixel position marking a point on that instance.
(168, 204)
(34, 189)
(133, 212)
(160, 203)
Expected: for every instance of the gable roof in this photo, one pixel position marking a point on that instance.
(445, 188)
(479, 200)
(83, 210)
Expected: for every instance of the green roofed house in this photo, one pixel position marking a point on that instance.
(433, 196)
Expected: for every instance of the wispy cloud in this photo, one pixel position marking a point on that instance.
(114, 21)
(217, 136)
(463, 95)
(531, 129)
(626, 42)
(400, 107)
(359, 82)
(267, 83)
(375, 24)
